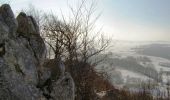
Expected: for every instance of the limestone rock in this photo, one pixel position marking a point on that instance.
(63, 88)
(26, 25)
(23, 28)
(35, 25)
(7, 16)
(38, 47)
(21, 60)
(4, 31)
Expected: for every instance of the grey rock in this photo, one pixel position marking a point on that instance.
(8, 17)
(45, 75)
(27, 27)
(4, 31)
(23, 27)
(21, 64)
(63, 88)
(35, 25)
(22, 59)
(13, 86)
(38, 47)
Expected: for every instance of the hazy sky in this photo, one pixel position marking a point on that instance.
(121, 19)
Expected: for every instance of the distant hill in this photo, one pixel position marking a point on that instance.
(157, 50)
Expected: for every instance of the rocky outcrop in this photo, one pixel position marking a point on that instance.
(28, 28)
(22, 54)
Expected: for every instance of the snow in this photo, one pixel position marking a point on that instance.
(156, 62)
(123, 49)
(127, 73)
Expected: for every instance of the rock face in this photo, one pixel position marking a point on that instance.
(63, 88)
(22, 54)
(28, 28)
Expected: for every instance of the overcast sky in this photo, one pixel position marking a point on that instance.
(121, 19)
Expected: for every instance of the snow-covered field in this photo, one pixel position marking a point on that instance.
(129, 62)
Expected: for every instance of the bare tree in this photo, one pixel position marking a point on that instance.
(75, 38)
